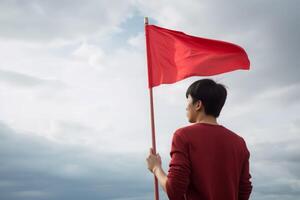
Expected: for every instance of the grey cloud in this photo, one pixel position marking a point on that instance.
(284, 151)
(24, 80)
(273, 45)
(34, 168)
(275, 167)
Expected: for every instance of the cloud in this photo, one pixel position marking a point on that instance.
(50, 20)
(36, 168)
(30, 194)
(75, 105)
(24, 80)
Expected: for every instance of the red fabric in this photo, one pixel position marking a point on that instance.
(173, 56)
(208, 162)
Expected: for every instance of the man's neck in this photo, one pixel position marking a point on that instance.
(207, 119)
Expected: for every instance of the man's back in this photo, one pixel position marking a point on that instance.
(209, 162)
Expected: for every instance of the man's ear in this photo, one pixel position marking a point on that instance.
(199, 105)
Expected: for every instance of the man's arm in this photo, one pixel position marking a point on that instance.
(245, 183)
(178, 177)
(161, 177)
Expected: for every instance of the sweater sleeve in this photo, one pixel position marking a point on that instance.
(179, 168)
(245, 187)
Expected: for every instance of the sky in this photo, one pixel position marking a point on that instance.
(74, 101)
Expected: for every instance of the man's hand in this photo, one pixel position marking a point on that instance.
(153, 161)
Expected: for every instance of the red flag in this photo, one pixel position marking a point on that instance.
(173, 56)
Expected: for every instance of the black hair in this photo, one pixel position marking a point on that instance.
(212, 95)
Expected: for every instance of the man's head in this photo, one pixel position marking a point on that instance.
(205, 97)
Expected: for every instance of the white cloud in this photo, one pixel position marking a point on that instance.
(138, 41)
(51, 20)
(61, 79)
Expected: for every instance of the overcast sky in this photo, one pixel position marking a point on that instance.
(74, 103)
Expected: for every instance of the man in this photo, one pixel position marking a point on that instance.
(208, 161)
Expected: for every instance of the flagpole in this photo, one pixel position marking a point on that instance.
(152, 123)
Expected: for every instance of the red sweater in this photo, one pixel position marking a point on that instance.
(208, 162)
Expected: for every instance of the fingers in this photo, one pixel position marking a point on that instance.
(151, 152)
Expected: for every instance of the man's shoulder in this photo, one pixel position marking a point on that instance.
(186, 127)
(185, 131)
